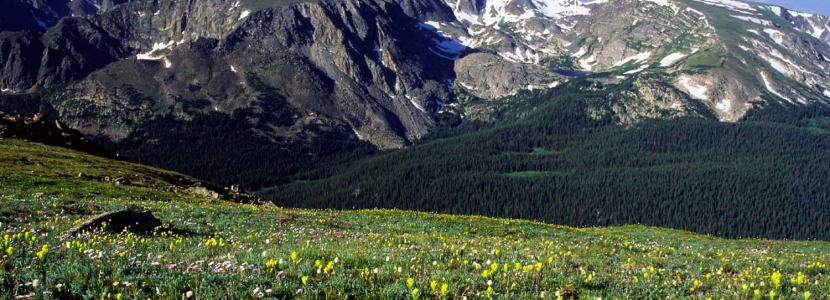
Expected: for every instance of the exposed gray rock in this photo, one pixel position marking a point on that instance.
(118, 221)
(491, 77)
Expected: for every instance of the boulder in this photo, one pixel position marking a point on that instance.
(139, 222)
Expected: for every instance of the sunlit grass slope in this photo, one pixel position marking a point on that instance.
(219, 250)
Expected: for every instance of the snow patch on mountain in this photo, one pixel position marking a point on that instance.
(827, 93)
(244, 14)
(753, 20)
(724, 105)
(357, 134)
(777, 65)
(588, 63)
(775, 35)
(638, 58)
(671, 59)
(561, 8)
(418, 106)
(156, 47)
(698, 92)
(770, 89)
(817, 29)
(582, 51)
(445, 45)
(638, 70)
(731, 5)
(776, 9)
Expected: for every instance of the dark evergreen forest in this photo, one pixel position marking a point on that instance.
(765, 177)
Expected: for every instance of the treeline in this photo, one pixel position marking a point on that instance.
(751, 179)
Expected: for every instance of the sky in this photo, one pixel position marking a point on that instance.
(821, 7)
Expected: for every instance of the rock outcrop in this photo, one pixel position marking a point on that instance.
(40, 130)
(117, 221)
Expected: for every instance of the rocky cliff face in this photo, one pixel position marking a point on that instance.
(383, 71)
(40, 15)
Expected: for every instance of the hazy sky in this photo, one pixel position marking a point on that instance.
(810, 6)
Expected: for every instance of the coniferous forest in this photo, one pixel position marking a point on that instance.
(764, 177)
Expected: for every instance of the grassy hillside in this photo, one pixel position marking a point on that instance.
(212, 249)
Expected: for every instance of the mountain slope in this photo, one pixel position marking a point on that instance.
(751, 179)
(290, 75)
(269, 252)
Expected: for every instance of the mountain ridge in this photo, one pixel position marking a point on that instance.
(344, 67)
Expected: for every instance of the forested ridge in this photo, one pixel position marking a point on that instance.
(764, 177)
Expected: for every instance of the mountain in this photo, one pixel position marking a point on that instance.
(287, 92)
(384, 72)
(40, 15)
(203, 244)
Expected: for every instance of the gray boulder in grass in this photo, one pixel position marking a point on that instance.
(117, 221)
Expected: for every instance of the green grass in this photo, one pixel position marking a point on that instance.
(820, 125)
(221, 250)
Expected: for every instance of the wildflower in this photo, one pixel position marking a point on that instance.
(433, 285)
(281, 275)
(10, 251)
(445, 289)
(58, 286)
(35, 283)
(118, 296)
(772, 294)
(268, 291)
(299, 291)
(295, 257)
(489, 283)
(489, 292)
(43, 251)
(304, 279)
(807, 295)
(776, 279)
(416, 293)
(410, 282)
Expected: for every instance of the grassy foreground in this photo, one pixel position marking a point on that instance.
(212, 249)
